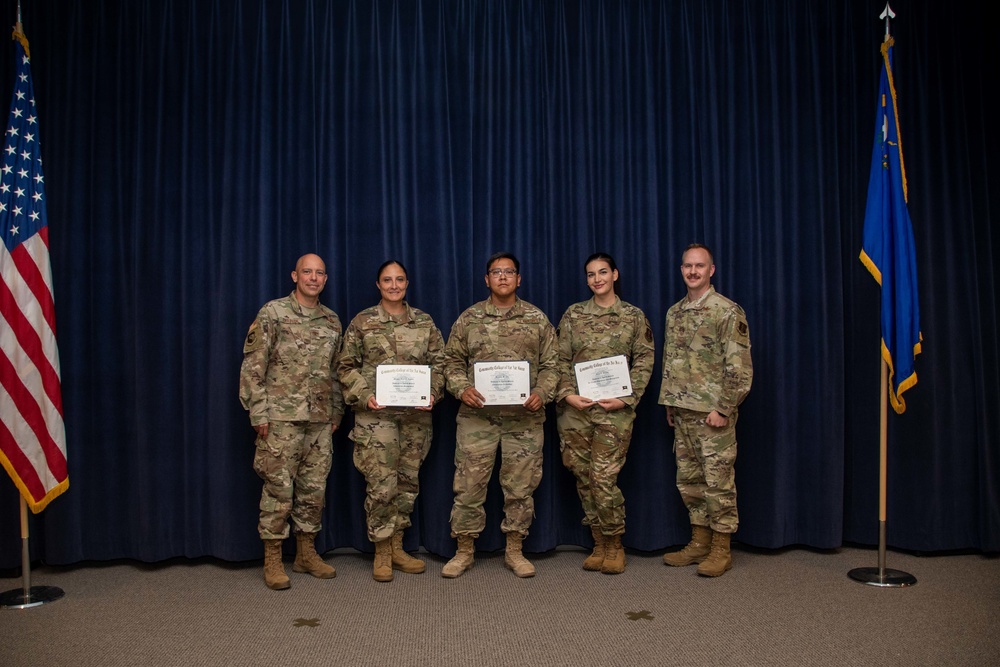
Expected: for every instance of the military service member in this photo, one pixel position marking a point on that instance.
(594, 435)
(289, 387)
(707, 373)
(501, 328)
(390, 443)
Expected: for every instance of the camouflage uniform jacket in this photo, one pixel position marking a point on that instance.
(706, 355)
(288, 371)
(483, 333)
(374, 338)
(588, 331)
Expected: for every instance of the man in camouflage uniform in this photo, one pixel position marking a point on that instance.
(390, 443)
(501, 328)
(595, 435)
(707, 373)
(288, 386)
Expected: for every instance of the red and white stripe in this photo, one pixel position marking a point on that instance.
(32, 434)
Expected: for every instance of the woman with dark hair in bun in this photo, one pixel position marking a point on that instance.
(390, 443)
(594, 433)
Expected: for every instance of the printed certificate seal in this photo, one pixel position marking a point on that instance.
(502, 381)
(602, 378)
(402, 383)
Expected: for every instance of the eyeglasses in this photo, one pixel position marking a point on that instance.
(496, 273)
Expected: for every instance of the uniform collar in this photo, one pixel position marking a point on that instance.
(592, 307)
(700, 301)
(491, 308)
(298, 308)
(385, 316)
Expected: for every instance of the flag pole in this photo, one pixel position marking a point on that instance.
(27, 595)
(882, 576)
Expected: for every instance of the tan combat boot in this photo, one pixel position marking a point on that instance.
(695, 551)
(719, 561)
(274, 570)
(614, 555)
(595, 559)
(514, 559)
(464, 558)
(403, 561)
(382, 568)
(307, 560)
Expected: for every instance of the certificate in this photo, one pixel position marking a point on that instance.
(503, 382)
(403, 385)
(603, 378)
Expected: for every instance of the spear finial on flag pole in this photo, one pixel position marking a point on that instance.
(887, 14)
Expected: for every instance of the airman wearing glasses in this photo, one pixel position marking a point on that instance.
(501, 328)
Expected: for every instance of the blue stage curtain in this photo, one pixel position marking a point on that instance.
(194, 149)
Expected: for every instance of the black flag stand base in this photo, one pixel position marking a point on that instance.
(885, 577)
(36, 595)
(27, 595)
(882, 576)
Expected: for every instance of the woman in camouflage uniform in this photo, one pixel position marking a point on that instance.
(594, 435)
(390, 443)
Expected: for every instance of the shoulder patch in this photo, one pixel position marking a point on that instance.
(253, 340)
(741, 332)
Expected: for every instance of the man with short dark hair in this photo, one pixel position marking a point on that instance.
(501, 328)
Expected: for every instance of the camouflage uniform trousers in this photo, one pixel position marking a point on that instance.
(593, 444)
(705, 473)
(389, 447)
(520, 439)
(294, 462)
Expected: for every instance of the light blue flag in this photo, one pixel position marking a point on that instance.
(888, 249)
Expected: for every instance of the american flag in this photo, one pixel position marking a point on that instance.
(32, 436)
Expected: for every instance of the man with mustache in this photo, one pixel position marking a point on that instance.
(707, 373)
